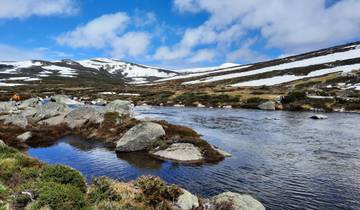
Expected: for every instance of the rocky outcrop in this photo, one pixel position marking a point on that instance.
(15, 119)
(187, 201)
(181, 152)
(120, 106)
(31, 102)
(140, 137)
(319, 117)
(238, 201)
(80, 116)
(25, 136)
(49, 110)
(64, 100)
(7, 107)
(53, 120)
(269, 105)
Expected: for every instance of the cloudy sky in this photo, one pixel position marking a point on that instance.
(174, 33)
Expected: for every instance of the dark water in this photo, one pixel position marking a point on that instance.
(283, 159)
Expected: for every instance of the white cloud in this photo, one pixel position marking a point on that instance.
(27, 8)
(96, 33)
(203, 55)
(132, 43)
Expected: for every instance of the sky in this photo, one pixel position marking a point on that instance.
(174, 33)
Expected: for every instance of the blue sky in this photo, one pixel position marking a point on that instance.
(174, 33)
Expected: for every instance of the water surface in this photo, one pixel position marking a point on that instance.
(283, 159)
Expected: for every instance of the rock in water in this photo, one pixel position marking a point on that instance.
(238, 201)
(319, 117)
(182, 152)
(120, 106)
(187, 201)
(140, 137)
(48, 110)
(31, 102)
(25, 136)
(83, 115)
(17, 119)
(269, 105)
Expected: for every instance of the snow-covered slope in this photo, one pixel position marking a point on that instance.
(343, 58)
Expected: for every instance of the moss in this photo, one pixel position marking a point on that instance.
(64, 175)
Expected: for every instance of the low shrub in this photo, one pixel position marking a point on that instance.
(64, 175)
(293, 97)
(101, 190)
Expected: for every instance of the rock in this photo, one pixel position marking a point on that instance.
(64, 100)
(25, 136)
(16, 119)
(53, 120)
(100, 102)
(182, 152)
(187, 201)
(140, 137)
(2, 143)
(80, 116)
(222, 152)
(200, 105)
(269, 105)
(7, 107)
(238, 201)
(120, 106)
(319, 117)
(227, 107)
(31, 102)
(49, 110)
(29, 111)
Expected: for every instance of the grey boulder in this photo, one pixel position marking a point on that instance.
(25, 136)
(31, 102)
(52, 121)
(181, 152)
(16, 119)
(63, 99)
(7, 107)
(269, 105)
(238, 201)
(2, 143)
(319, 117)
(80, 116)
(120, 106)
(187, 201)
(49, 110)
(140, 137)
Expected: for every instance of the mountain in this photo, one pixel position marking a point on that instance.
(112, 70)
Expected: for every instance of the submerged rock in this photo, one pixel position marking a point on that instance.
(25, 136)
(120, 106)
(16, 119)
(238, 201)
(83, 115)
(140, 137)
(269, 105)
(182, 152)
(187, 201)
(49, 110)
(319, 117)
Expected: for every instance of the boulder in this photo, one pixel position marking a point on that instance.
(187, 201)
(80, 116)
(100, 102)
(64, 100)
(269, 105)
(53, 120)
(29, 111)
(16, 119)
(140, 137)
(181, 152)
(2, 143)
(31, 102)
(25, 136)
(120, 106)
(7, 107)
(222, 152)
(319, 117)
(238, 201)
(49, 110)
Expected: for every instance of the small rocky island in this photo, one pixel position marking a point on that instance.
(26, 183)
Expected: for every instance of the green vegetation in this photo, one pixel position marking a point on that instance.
(191, 99)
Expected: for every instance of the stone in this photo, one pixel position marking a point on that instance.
(53, 120)
(31, 102)
(49, 110)
(140, 137)
(64, 100)
(80, 116)
(2, 143)
(16, 119)
(238, 201)
(120, 106)
(25, 136)
(100, 102)
(319, 117)
(269, 105)
(222, 152)
(7, 107)
(29, 111)
(181, 152)
(187, 201)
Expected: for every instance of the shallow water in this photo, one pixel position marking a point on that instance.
(283, 159)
